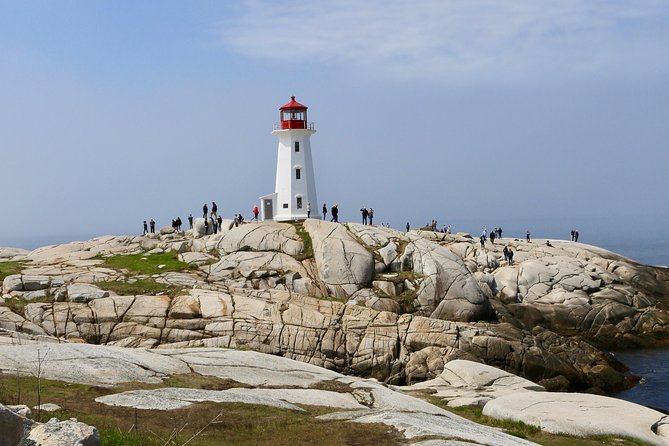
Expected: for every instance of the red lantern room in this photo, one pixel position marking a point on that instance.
(293, 115)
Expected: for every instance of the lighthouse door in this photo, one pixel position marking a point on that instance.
(268, 210)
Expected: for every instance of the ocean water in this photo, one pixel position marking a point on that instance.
(652, 365)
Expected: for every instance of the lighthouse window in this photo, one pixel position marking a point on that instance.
(297, 146)
(299, 202)
(298, 174)
(285, 205)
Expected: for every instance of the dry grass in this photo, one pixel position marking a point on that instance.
(235, 423)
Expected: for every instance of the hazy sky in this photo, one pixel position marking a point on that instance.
(527, 114)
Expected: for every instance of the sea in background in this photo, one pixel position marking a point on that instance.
(652, 365)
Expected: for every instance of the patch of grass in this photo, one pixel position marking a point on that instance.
(18, 305)
(516, 428)
(145, 263)
(407, 296)
(308, 249)
(147, 286)
(235, 423)
(332, 386)
(9, 268)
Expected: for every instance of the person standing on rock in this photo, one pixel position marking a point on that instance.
(255, 213)
(371, 216)
(499, 233)
(214, 209)
(146, 228)
(492, 236)
(179, 224)
(575, 235)
(506, 254)
(448, 229)
(219, 221)
(527, 237)
(482, 240)
(335, 213)
(152, 226)
(408, 226)
(365, 214)
(206, 226)
(309, 210)
(214, 225)
(325, 211)
(510, 257)
(205, 211)
(190, 220)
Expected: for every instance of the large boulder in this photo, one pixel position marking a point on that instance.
(12, 426)
(265, 236)
(448, 290)
(60, 433)
(82, 292)
(343, 264)
(467, 383)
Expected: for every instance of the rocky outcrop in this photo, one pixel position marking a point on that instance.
(467, 383)
(352, 339)
(18, 429)
(69, 432)
(382, 303)
(343, 264)
(255, 378)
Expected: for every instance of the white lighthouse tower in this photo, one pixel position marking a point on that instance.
(295, 190)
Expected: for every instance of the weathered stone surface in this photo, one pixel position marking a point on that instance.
(448, 290)
(265, 236)
(12, 426)
(61, 433)
(448, 426)
(167, 230)
(344, 265)
(80, 292)
(467, 383)
(89, 364)
(48, 407)
(12, 253)
(246, 263)
(199, 229)
(169, 398)
(196, 258)
(579, 415)
(544, 305)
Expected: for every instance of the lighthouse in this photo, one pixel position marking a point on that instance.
(295, 189)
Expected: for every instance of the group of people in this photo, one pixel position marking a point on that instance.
(494, 234)
(508, 255)
(574, 235)
(367, 215)
(334, 210)
(176, 224)
(151, 227)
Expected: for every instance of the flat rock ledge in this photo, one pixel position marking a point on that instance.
(258, 378)
(582, 415)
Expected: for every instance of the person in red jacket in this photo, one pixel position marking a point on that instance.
(255, 213)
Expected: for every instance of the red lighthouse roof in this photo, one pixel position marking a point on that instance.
(293, 104)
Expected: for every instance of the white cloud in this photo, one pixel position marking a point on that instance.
(457, 41)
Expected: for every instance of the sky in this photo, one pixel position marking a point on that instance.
(530, 115)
